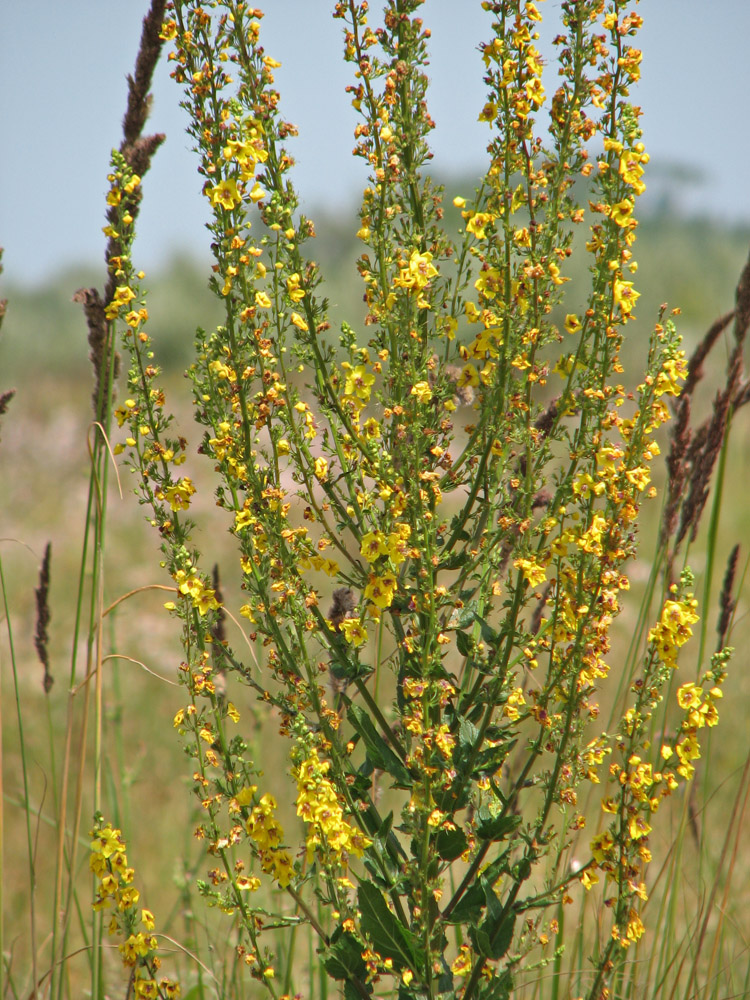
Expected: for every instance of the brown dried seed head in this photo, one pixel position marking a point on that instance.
(342, 605)
(727, 603)
(41, 638)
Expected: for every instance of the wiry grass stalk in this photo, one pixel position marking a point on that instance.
(30, 839)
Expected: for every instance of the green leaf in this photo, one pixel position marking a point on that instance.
(462, 535)
(454, 560)
(410, 993)
(494, 906)
(352, 993)
(343, 958)
(375, 870)
(480, 941)
(489, 635)
(500, 987)
(343, 665)
(388, 935)
(464, 643)
(469, 908)
(495, 933)
(379, 752)
(359, 785)
(522, 869)
(468, 734)
(491, 827)
(465, 616)
(451, 844)
(386, 826)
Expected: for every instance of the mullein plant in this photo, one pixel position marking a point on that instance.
(434, 515)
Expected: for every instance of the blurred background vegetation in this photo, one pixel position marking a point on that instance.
(688, 261)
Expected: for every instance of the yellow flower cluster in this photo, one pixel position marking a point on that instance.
(268, 834)
(417, 272)
(246, 153)
(674, 628)
(108, 862)
(319, 807)
(190, 584)
(178, 495)
(532, 570)
(375, 545)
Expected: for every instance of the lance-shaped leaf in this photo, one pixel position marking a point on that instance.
(388, 935)
(379, 752)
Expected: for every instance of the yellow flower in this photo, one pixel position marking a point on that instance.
(248, 884)
(462, 963)
(674, 628)
(296, 294)
(168, 31)
(631, 170)
(590, 540)
(257, 193)
(621, 212)
(673, 371)
(588, 879)
(478, 223)
(422, 391)
(321, 469)
(137, 946)
(417, 273)
(123, 295)
(601, 846)
(472, 312)
(373, 546)
(638, 827)
(354, 631)
(380, 590)
(371, 428)
(146, 989)
(204, 598)
(534, 573)
(107, 841)
(488, 112)
(178, 496)
(635, 928)
(535, 91)
(224, 193)
(398, 547)
(359, 383)
(625, 296)
(245, 795)
(639, 477)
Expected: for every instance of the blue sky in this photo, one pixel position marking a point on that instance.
(62, 80)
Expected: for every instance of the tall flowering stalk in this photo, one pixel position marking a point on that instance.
(433, 514)
(117, 897)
